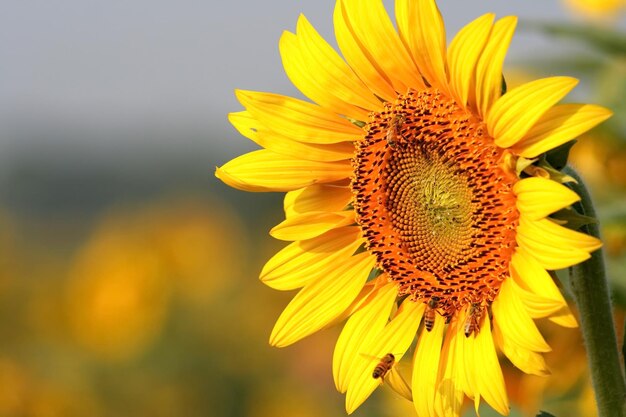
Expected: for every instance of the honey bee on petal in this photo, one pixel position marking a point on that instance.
(472, 321)
(429, 313)
(385, 364)
(393, 130)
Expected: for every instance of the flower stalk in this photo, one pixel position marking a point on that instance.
(591, 292)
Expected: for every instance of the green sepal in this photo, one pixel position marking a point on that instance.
(522, 163)
(544, 414)
(374, 273)
(503, 88)
(572, 219)
(360, 249)
(557, 175)
(548, 170)
(557, 157)
(356, 122)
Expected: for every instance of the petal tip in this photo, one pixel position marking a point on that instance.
(276, 341)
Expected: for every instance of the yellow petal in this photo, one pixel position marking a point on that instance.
(558, 125)
(516, 112)
(360, 299)
(487, 370)
(251, 128)
(464, 354)
(300, 66)
(452, 376)
(463, 54)
(530, 275)
(324, 59)
(425, 370)
(357, 55)
(395, 338)
(361, 327)
(470, 383)
(539, 197)
(422, 30)
(374, 33)
(268, 171)
(528, 361)
(489, 67)
(317, 198)
(396, 382)
(301, 262)
(309, 225)
(515, 323)
(297, 119)
(564, 317)
(554, 246)
(320, 301)
(537, 305)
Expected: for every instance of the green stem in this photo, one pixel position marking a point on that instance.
(591, 291)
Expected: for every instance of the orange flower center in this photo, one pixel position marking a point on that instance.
(434, 199)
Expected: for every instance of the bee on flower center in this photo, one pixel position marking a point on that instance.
(429, 313)
(472, 321)
(385, 364)
(394, 129)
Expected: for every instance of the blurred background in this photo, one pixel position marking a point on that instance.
(128, 273)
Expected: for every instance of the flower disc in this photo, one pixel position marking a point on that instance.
(434, 198)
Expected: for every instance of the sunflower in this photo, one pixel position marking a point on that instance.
(418, 203)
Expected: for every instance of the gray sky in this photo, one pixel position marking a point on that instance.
(103, 68)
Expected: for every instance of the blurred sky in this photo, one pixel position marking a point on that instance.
(106, 76)
(105, 100)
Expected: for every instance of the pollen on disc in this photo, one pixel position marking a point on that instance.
(434, 201)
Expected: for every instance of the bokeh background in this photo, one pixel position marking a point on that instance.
(128, 273)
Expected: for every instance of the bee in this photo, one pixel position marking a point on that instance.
(472, 322)
(385, 364)
(393, 131)
(429, 313)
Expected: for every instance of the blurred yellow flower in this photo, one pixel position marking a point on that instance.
(13, 387)
(601, 158)
(201, 244)
(596, 8)
(271, 401)
(23, 393)
(118, 293)
(139, 257)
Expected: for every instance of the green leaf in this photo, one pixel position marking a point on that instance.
(544, 414)
(557, 157)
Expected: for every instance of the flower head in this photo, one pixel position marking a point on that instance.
(414, 204)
